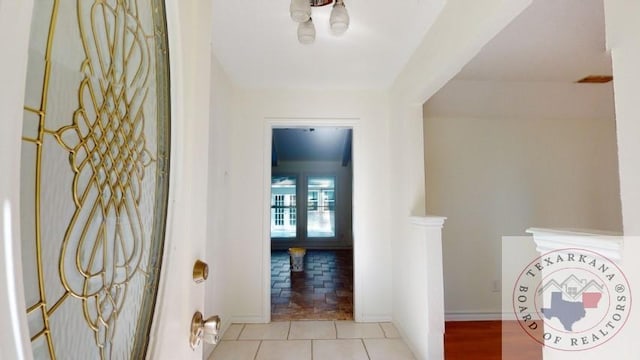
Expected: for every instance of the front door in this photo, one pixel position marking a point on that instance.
(94, 175)
(94, 185)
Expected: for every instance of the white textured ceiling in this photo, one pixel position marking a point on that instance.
(552, 40)
(256, 43)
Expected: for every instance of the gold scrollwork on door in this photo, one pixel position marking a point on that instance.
(110, 238)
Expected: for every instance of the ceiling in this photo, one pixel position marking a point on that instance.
(552, 41)
(257, 45)
(311, 144)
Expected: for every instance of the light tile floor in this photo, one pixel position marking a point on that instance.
(312, 340)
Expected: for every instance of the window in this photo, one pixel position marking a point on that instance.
(292, 210)
(279, 210)
(283, 207)
(313, 200)
(321, 220)
(318, 212)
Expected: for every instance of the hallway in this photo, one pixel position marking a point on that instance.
(317, 340)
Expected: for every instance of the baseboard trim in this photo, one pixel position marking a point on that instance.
(373, 318)
(478, 316)
(260, 320)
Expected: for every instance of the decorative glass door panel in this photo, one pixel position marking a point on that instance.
(94, 172)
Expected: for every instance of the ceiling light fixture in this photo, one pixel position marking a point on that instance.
(300, 11)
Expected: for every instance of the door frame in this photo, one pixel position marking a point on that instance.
(15, 24)
(284, 122)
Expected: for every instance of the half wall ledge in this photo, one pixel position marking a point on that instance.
(608, 244)
(428, 221)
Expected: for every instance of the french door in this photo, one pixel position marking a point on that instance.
(303, 207)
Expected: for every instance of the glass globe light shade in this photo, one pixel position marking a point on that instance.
(300, 10)
(339, 19)
(306, 32)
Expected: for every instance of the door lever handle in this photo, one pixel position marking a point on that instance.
(204, 329)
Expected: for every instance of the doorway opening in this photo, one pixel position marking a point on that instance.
(311, 208)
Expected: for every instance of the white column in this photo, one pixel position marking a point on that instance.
(418, 289)
(622, 19)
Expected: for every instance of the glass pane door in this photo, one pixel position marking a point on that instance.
(321, 211)
(94, 173)
(283, 207)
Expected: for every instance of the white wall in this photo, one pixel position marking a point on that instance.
(502, 157)
(249, 176)
(622, 20)
(459, 33)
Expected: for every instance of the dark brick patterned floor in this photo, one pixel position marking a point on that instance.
(323, 291)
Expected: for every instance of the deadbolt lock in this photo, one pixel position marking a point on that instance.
(200, 271)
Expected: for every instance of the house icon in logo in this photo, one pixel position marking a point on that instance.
(574, 289)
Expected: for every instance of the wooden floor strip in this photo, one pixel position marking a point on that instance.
(488, 340)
